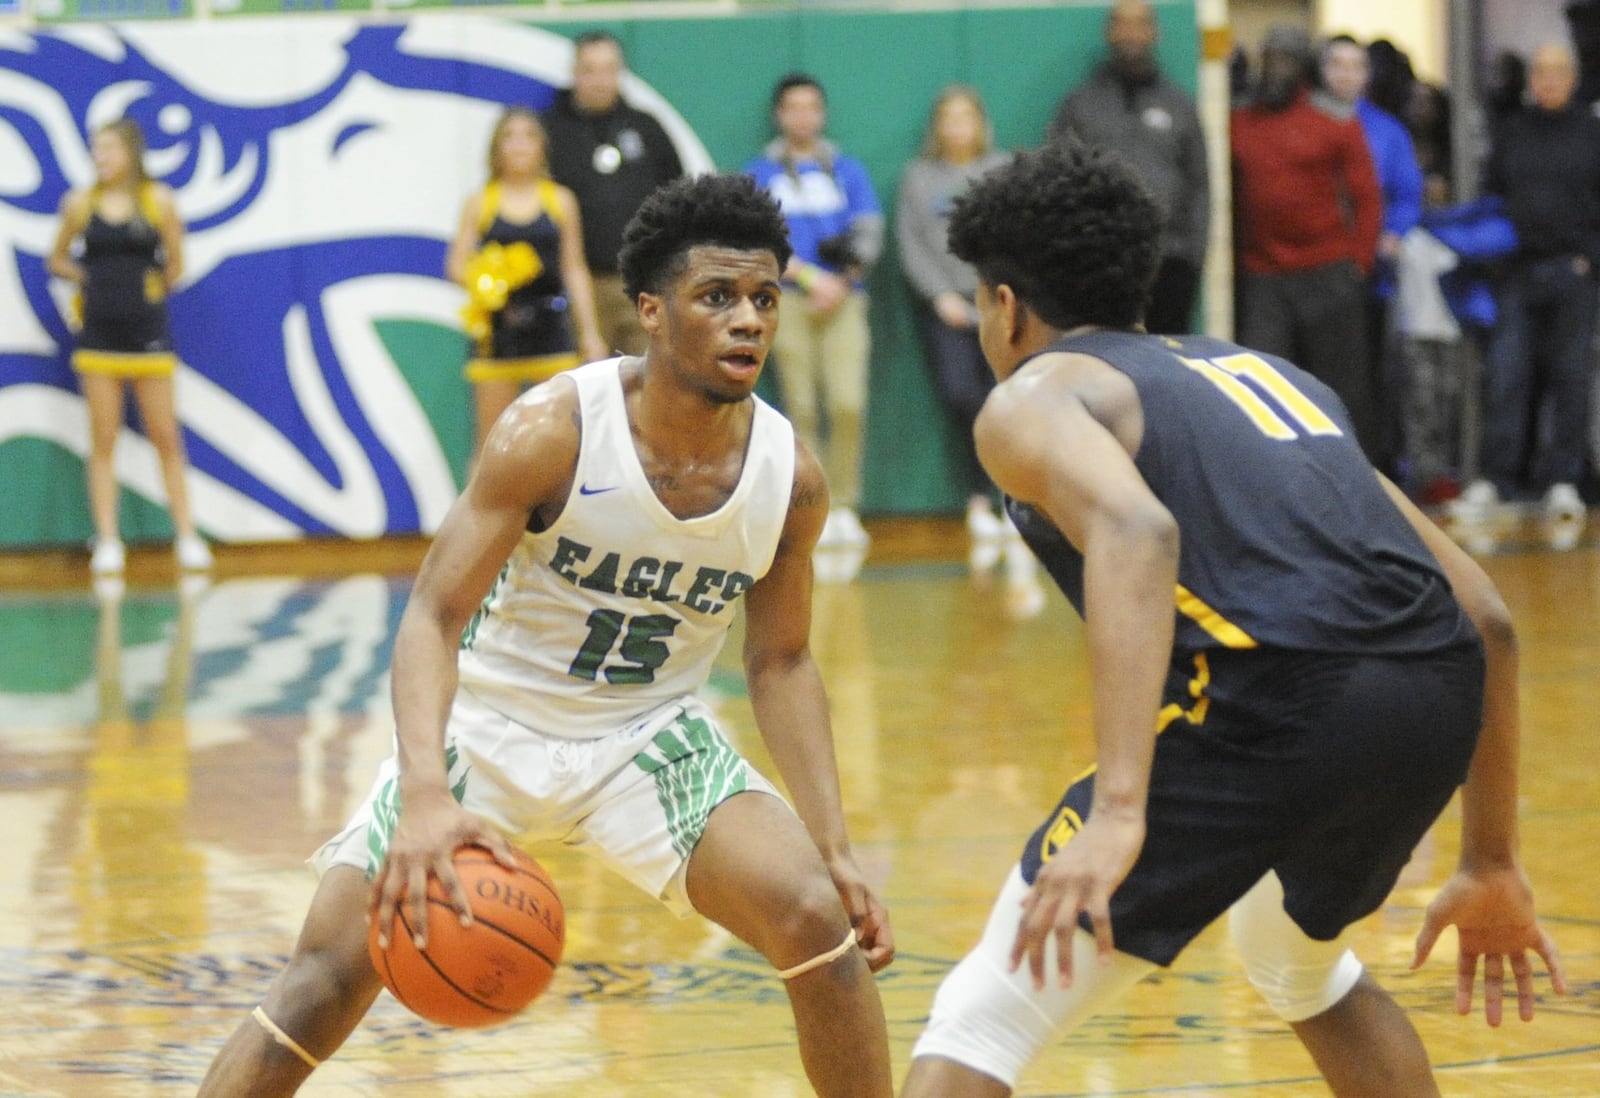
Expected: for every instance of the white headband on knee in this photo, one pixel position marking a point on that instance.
(283, 1038)
(822, 958)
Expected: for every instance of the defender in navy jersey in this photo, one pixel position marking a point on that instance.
(1293, 669)
(546, 667)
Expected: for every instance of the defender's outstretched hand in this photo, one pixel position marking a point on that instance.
(1492, 911)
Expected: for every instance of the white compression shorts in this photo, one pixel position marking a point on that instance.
(993, 1021)
(1299, 977)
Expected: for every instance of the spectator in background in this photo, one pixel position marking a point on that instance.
(1429, 123)
(1345, 69)
(823, 345)
(1391, 79)
(958, 148)
(1508, 86)
(1127, 104)
(611, 156)
(1545, 163)
(1307, 216)
(518, 251)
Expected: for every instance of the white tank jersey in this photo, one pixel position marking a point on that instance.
(620, 606)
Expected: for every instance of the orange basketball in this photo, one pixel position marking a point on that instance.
(482, 974)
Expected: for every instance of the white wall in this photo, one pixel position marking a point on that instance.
(1520, 25)
(1417, 27)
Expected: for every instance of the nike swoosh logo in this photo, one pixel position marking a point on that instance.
(585, 490)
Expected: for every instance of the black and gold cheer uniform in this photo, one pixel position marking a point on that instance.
(531, 337)
(124, 330)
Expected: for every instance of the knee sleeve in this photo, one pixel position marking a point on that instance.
(1298, 976)
(991, 1020)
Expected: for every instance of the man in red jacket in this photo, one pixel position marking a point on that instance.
(1307, 212)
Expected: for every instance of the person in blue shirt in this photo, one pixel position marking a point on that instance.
(1345, 71)
(823, 344)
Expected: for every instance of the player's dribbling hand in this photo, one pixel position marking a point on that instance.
(1492, 911)
(422, 846)
(1080, 878)
(867, 914)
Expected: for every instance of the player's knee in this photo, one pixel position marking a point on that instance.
(811, 922)
(1298, 976)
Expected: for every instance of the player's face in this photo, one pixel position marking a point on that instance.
(717, 319)
(112, 158)
(802, 114)
(1344, 71)
(597, 76)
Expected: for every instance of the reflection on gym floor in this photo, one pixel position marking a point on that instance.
(169, 757)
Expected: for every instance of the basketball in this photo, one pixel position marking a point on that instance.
(482, 974)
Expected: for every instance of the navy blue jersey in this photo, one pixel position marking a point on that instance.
(1288, 539)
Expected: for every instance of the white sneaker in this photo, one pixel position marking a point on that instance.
(108, 588)
(194, 555)
(1563, 502)
(1025, 597)
(108, 558)
(846, 529)
(986, 533)
(1475, 502)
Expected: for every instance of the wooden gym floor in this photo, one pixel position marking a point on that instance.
(169, 757)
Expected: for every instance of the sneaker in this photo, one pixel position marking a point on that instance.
(194, 555)
(986, 534)
(108, 558)
(838, 563)
(1025, 597)
(108, 587)
(1563, 502)
(843, 528)
(1475, 501)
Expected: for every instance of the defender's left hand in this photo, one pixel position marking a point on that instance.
(867, 913)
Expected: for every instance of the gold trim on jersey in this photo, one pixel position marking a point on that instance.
(114, 364)
(530, 370)
(1220, 628)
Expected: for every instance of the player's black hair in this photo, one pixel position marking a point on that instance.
(1070, 229)
(727, 211)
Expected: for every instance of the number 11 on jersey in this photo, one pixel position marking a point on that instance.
(1226, 373)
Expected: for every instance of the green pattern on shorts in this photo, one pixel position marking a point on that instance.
(695, 770)
(386, 809)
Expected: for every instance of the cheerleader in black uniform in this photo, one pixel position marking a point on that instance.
(519, 253)
(121, 242)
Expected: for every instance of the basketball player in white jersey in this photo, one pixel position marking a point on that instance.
(546, 666)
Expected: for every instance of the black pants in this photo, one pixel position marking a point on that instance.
(1172, 298)
(1317, 319)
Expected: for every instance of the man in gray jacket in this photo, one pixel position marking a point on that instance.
(1127, 104)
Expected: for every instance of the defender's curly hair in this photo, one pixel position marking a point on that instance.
(728, 211)
(1070, 229)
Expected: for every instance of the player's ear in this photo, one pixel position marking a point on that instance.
(650, 309)
(1013, 314)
